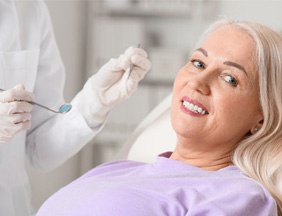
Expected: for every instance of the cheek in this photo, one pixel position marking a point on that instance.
(180, 80)
(229, 107)
(240, 111)
(174, 103)
(175, 113)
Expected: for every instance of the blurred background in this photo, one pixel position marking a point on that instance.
(89, 33)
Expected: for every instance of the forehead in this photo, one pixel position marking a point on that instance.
(230, 43)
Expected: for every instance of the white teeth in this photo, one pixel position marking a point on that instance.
(194, 108)
(190, 106)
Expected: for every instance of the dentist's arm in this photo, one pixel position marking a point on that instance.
(62, 136)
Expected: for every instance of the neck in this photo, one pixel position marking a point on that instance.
(207, 160)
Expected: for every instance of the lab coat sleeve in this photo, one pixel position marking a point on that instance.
(53, 138)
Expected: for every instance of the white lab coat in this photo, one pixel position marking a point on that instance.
(29, 55)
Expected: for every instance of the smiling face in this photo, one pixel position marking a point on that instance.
(215, 96)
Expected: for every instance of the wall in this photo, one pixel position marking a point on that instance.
(264, 11)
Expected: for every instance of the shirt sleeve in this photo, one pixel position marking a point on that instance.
(53, 138)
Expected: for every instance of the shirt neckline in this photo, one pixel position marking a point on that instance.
(163, 159)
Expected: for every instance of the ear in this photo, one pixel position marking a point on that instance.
(258, 126)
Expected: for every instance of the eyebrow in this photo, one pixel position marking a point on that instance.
(229, 63)
(240, 67)
(205, 53)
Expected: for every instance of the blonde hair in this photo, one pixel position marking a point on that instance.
(260, 155)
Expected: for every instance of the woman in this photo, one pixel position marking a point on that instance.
(226, 112)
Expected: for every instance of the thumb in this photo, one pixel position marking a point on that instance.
(16, 93)
(19, 87)
(110, 73)
(123, 84)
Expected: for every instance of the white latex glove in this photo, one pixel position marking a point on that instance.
(14, 114)
(111, 85)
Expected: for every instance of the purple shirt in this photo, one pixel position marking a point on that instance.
(166, 187)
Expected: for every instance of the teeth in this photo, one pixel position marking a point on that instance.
(193, 108)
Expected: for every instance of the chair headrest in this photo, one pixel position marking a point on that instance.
(153, 136)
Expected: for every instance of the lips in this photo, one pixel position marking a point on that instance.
(193, 107)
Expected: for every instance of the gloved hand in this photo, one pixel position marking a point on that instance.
(14, 115)
(113, 83)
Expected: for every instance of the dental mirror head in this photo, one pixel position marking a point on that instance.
(65, 108)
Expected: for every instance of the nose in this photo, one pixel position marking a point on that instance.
(200, 83)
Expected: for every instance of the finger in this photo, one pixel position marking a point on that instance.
(141, 62)
(21, 94)
(19, 87)
(9, 130)
(119, 64)
(4, 138)
(129, 84)
(16, 93)
(124, 63)
(15, 107)
(18, 118)
(26, 125)
(135, 51)
(20, 107)
(137, 74)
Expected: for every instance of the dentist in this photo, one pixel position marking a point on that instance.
(29, 56)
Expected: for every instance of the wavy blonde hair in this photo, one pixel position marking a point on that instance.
(260, 155)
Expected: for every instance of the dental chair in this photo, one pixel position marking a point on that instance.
(153, 136)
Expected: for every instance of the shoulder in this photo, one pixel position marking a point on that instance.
(253, 197)
(230, 192)
(23, 5)
(30, 9)
(257, 190)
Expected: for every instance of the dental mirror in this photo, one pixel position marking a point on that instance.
(64, 108)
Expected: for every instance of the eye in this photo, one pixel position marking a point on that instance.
(230, 79)
(198, 64)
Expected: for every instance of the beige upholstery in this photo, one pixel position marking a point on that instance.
(153, 136)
